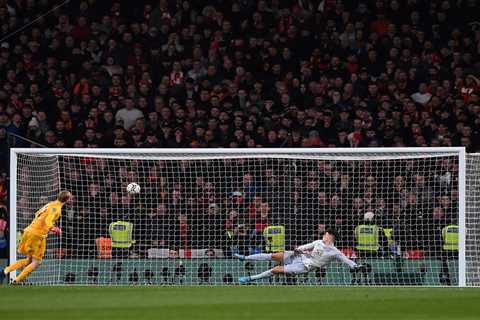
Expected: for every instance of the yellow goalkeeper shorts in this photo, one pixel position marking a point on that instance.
(32, 246)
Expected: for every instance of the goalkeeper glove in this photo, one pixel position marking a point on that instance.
(361, 268)
(56, 230)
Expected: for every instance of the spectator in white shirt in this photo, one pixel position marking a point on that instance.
(422, 96)
(128, 114)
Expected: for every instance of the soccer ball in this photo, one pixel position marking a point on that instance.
(133, 188)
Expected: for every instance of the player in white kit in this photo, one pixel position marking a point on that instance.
(304, 259)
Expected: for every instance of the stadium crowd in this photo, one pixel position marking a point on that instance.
(290, 73)
(227, 203)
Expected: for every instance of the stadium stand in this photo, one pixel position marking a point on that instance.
(304, 73)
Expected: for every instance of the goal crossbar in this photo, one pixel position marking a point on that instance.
(335, 154)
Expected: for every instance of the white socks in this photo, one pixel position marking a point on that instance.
(259, 257)
(264, 274)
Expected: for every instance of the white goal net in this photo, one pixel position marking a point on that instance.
(472, 220)
(396, 211)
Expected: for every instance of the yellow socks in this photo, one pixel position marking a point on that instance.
(28, 269)
(20, 263)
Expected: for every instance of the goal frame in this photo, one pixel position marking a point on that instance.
(280, 151)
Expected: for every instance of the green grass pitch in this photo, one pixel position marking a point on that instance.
(235, 302)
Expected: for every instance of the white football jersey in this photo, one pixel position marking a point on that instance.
(317, 255)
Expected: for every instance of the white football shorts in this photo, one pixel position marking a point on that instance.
(293, 263)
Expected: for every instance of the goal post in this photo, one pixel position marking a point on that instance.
(13, 211)
(472, 220)
(197, 207)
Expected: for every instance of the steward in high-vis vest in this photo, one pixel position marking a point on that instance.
(367, 237)
(274, 238)
(121, 233)
(450, 235)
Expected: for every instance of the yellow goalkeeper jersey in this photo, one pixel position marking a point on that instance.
(45, 219)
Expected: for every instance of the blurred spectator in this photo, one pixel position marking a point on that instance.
(3, 187)
(128, 115)
(3, 231)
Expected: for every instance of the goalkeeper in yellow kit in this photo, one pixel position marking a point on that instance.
(34, 239)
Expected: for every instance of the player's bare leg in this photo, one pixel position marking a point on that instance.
(265, 274)
(276, 256)
(28, 270)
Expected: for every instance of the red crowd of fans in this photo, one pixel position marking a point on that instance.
(290, 73)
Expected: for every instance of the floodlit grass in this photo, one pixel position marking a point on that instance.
(238, 302)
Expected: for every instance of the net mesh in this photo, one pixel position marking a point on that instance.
(472, 220)
(195, 210)
(38, 180)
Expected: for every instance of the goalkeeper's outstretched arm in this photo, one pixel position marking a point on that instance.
(344, 259)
